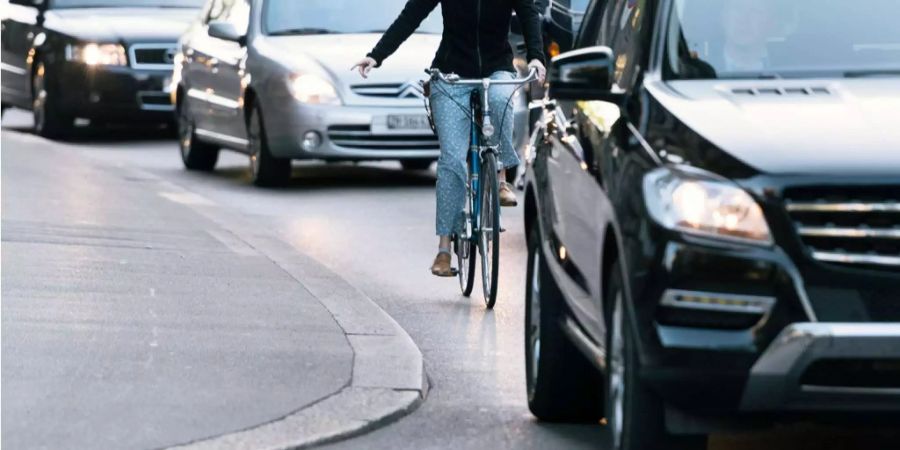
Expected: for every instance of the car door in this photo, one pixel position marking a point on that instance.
(579, 219)
(197, 71)
(19, 29)
(228, 73)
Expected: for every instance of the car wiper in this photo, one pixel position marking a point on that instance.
(870, 73)
(301, 31)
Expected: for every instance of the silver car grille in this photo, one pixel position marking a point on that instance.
(849, 226)
(390, 90)
(361, 137)
(159, 56)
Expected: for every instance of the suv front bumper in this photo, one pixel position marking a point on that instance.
(780, 380)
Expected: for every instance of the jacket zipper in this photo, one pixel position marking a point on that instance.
(478, 36)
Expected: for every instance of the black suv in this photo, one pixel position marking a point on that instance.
(104, 60)
(713, 215)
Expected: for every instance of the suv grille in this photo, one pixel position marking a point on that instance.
(850, 226)
(152, 56)
(361, 136)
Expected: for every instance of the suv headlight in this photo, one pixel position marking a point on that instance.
(313, 89)
(97, 54)
(703, 205)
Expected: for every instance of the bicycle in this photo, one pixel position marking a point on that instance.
(481, 215)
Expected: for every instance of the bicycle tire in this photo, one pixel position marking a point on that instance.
(489, 232)
(465, 265)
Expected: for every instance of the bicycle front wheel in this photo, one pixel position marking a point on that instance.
(489, 232)
(465, 260)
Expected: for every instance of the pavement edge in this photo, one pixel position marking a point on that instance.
(388, 376)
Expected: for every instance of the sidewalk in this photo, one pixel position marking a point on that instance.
(132, 319)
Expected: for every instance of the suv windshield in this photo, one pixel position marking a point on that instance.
(59, 4)
(776, 38)
(338, 16)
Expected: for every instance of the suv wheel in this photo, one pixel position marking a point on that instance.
(635, 415)
(49, 121)
(265, 169)
(195, 155)
(562, 384)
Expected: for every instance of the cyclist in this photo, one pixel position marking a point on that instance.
(474, 45)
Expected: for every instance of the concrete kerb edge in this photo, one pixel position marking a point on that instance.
(378, 393)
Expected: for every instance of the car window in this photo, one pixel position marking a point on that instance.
(771, 38)
(63, 4)
(236, 12)
(628, 23)
(282, 17)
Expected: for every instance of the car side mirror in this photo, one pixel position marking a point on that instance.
(225, 31)
(583, 74)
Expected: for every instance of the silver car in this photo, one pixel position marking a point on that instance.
(272, 78)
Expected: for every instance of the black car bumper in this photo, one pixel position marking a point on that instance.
(733, 329)
(115, 93)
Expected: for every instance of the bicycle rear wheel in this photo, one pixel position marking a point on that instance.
(489, 232)
(465, 264)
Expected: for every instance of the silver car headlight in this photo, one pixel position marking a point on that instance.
(703, 205)
(94, 54)
(313, 89)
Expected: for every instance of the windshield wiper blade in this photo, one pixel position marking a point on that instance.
(870, 73)
(301, 31)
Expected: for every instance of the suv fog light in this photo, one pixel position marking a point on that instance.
(311, 141)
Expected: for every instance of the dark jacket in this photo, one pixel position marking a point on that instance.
(475, 42)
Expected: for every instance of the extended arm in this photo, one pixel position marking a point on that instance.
(530, 20)
(410, 18)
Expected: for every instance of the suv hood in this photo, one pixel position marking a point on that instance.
(336, 53)
(122, 24)
(817, 126)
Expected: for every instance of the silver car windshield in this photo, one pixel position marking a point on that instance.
(61, 4)
(776, 38)
(338, 16)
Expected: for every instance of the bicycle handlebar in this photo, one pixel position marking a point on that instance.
(455, 79)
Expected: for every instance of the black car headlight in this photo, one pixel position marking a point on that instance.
(94, 54)
(702, 204)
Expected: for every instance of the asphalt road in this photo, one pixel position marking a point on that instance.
(130, 321)
(374, 224)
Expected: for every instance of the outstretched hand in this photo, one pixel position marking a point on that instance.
(365, 66)
(538, 66)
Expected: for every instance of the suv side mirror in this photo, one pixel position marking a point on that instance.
(224, 30)
(583, 74)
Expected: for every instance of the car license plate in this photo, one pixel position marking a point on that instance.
(408, 122)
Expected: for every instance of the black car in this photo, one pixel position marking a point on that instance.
(713, 213)
(103, 60)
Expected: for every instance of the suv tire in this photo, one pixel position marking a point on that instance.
(635, 415)
(562, 385)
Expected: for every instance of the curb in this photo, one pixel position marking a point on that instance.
(388, 377)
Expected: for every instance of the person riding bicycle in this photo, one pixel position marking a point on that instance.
(475, 44)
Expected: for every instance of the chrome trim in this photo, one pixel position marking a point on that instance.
(849, 390)
(597, 355)
(774, 385)
(221, 137)
(13, 69)
(132, 58)
(883, 233)
(860, 207)
(856, 258)
(154, 107)
(211, 98)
